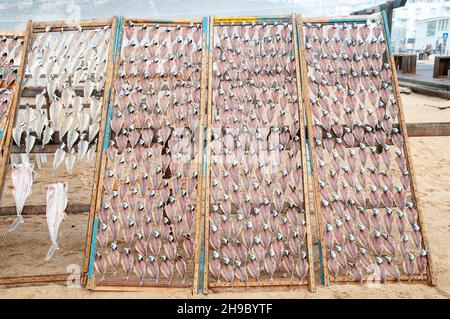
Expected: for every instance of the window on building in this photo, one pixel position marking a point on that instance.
(433, 11)
(431, 28)
(443, 25)
(418, 12)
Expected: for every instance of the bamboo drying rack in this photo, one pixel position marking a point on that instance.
(326, 278)
(32, 29)
(90, 246)
(283, 283)
(200, 281)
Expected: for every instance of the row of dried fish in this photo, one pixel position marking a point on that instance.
(60, 62)
(143, 266)
(240, 34)
(63, 56)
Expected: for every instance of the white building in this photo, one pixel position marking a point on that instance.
(433, 31)
(410, 24)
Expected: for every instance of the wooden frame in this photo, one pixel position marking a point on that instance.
(284, 283)
(90, 246)
(403, 128)
(34, 28)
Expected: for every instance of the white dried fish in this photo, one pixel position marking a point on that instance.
(66, 97)
(77, 104)
(91, 152)
(84, 122)
(88, 88)
(59, 156)
(72, 137)
(48, 133)
(94, 107)
(54, 111)
(82, 148)
(40, 100)
(93, 130)
(56, 206)
(66, 125)
(29, 142)
(70, 161)
(41, 122)
(17, 134)
(22, 178)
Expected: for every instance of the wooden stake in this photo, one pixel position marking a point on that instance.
(315, 182)
(199, 207)
(311, 281)
(208, 155)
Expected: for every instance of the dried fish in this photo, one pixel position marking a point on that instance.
(22, 178)
(55, 212)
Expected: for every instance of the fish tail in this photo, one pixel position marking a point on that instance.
(19, 220)
(54, 247)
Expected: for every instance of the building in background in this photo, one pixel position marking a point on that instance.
(419, 23)
(433, 31)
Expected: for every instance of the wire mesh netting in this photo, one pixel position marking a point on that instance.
(148, 218)
(368, 216)
(50, 168)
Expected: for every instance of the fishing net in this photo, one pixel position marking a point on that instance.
(55, 129)
(369, 221)
(148, 219)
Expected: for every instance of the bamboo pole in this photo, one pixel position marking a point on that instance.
(71, 25)
(199, 207)
(340, 19)
(316, 195)
(311, 281)
(41, 209)
(281, 283)
(171, 289)
(164, 22)
(12, 34)
(208, 155)
(33, 279)
(249, 19)
(403, 280)
(407, 150)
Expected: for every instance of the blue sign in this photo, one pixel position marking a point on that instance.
(445, 35)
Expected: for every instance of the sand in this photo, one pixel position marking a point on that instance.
(431, 160)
